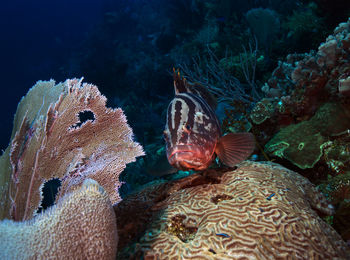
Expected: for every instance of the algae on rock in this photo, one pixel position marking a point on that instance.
(302, 143)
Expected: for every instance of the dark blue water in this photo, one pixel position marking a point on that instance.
(134, 44)
(37, 41)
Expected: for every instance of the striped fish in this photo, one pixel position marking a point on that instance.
(192, 132)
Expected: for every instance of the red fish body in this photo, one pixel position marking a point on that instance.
(192, 132)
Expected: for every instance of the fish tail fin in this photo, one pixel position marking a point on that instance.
(234, 148)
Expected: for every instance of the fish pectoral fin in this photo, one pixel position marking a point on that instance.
(234, 148)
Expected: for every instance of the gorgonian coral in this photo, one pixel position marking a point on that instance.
(52, 139)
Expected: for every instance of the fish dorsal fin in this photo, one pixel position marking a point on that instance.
(181, 85)
(234, 148)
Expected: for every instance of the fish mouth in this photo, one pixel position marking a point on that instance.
(184, 159)
(178, 154)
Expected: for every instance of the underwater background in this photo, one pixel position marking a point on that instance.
(269, 64)
(133, 45)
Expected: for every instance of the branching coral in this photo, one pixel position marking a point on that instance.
(51, 139)
(210, 72)
(259, 211)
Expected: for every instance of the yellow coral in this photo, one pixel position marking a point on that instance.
(81, 226)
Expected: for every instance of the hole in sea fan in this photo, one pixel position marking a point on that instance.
(84, 116)
(49, 192)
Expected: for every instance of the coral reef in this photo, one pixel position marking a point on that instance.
(304, 120)
(64, 131)
(303, 143)
(306, 81)
(257, 211)
(306, 109)
(304, 25)
(341, 219)
(81, 226)
(337, 189)
(265, 25)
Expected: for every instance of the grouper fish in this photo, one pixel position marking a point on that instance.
(192, 132)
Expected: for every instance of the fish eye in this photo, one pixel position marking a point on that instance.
(187, 128)
(165, 135)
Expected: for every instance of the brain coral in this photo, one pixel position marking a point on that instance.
(259, 211)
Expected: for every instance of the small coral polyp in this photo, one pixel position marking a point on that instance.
(301, 146)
